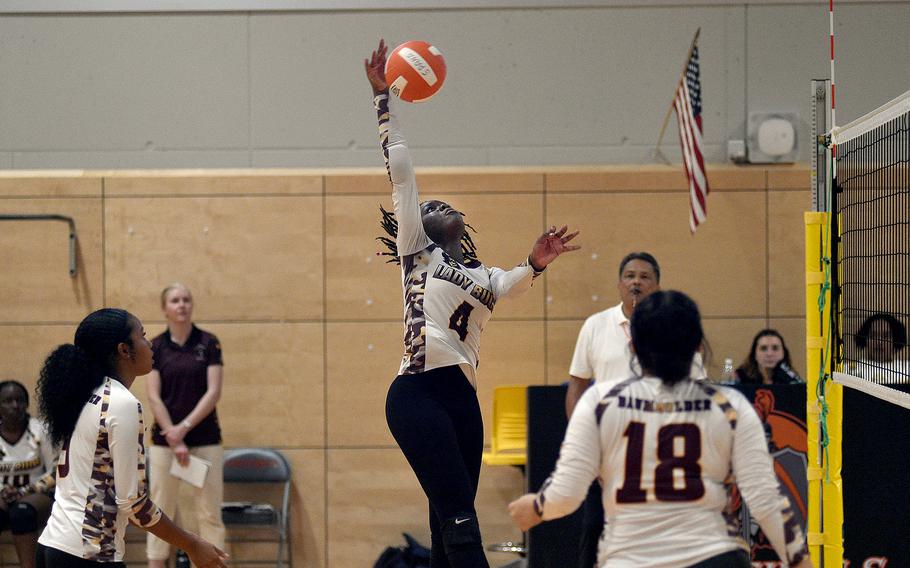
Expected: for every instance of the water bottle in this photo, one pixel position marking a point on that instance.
(181, 560)
(729, 375)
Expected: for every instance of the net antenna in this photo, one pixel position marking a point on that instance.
(824, 398)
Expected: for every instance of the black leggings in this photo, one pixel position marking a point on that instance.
(435, 418)
(52, 558)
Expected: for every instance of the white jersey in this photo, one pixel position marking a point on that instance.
(666, 457)
(28, 459)
(603, 351)
(446, 303)
(101, 479)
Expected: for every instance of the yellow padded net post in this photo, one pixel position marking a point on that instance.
(824, 403)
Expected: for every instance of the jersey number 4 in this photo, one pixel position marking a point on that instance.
(667, 464)
(460, 318)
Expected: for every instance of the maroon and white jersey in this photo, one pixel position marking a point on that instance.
(446, 303)
(29, 458)
(667, 457)
(101, 479)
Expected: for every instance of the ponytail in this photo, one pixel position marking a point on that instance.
(66, 382)
(74, 370)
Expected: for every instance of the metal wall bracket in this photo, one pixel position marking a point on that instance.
(68, 220)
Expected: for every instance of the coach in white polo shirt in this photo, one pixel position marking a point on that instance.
(603, 354)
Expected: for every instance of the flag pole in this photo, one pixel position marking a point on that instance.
(682, 78)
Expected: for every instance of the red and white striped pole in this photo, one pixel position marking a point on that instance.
(833, 122)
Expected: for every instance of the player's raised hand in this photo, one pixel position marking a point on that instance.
(375, 68)
(551, 244)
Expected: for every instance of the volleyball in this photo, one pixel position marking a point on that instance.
(415, 71)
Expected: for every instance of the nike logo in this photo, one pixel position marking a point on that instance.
(459, 521)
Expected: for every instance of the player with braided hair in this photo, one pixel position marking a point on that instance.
(432, 407)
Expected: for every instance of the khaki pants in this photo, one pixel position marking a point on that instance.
(165, 488)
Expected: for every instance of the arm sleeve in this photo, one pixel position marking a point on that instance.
(578, 464)
(758, 483)
(214, 352)
(512, 283)
(411, 236)
(581, 363)
(125, 432)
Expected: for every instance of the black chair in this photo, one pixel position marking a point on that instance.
(258, 465)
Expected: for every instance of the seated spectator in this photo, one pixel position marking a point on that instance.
(28, 464)
(880, 338)
(768, 362)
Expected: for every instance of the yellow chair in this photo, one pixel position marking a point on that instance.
(509, 438)
(509, 446)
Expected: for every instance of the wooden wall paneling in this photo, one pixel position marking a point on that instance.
(285, 357)
(373, 497)
(36, 284)
(439, 180)
(561, 338)
(649, 178)
(507, 226)
(25, 347)
(373, 181)
(207, 182)
(362, 361)
(796, 177)
(787, 252)
(308, 507)
(722, 266)
(360, 285)
(20, 183)
(273, 391)
(251, 258)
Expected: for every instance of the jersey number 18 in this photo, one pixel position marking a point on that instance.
(667, 463)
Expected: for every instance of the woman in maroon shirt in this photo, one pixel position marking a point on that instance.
(183, 389)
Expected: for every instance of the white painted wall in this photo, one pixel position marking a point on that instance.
(526, 86)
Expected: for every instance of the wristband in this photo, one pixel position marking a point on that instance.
(187, 424)
(378, 99)
(536, 272)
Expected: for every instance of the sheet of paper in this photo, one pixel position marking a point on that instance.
(194, 473)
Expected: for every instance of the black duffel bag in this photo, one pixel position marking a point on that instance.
(412, 555)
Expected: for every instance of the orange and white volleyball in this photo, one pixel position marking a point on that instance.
(415, 71)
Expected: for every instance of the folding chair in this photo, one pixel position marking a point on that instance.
(258, 465)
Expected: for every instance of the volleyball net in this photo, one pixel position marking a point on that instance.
(871, 262)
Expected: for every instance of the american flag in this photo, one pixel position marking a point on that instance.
(688, 115)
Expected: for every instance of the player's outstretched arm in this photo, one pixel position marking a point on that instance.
(551, 244)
